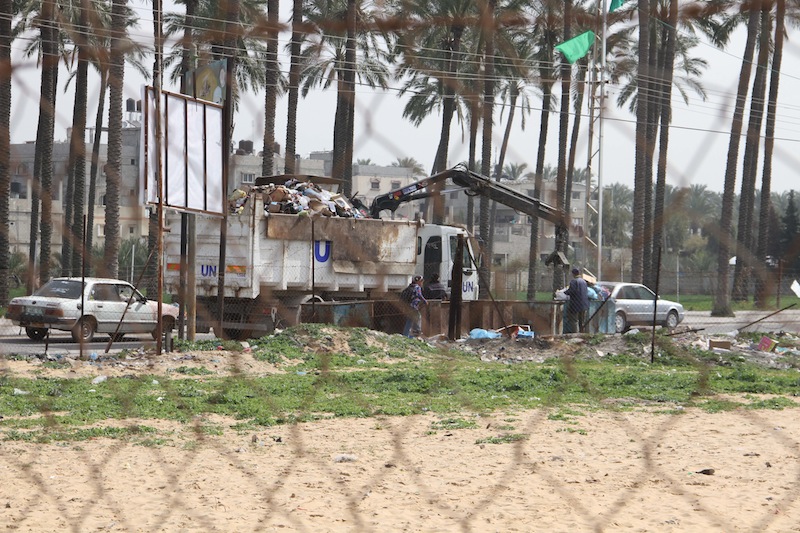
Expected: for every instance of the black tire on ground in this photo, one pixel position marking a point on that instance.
(620, 322)
(36, 334)
(84, 330)
(672, 320)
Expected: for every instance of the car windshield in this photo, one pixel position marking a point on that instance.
(60, 288)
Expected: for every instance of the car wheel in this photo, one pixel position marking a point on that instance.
(620, 322)
(672, 320)
(167, 324)
(84, 330)
(36, 334)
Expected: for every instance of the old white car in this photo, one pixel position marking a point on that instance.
(99, 306)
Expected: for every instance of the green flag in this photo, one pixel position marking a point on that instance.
(615, 4)
(577, 47)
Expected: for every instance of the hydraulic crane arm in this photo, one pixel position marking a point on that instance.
(474, 184)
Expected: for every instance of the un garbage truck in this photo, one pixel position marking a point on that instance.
(275, 262)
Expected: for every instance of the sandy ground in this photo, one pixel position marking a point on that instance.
(594, 471)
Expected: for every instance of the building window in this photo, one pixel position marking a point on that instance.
(576, 195)
(375, 185)
(131, 230)
(22, 169)
(396, 185)
(103, 200)
(248, 177)
(18, 188)
(101, 230)
(454, 195)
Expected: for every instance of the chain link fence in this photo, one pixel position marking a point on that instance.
(274, 422)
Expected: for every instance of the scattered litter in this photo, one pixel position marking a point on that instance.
(706, 472)
(20, 392)
(155, 382)
(345, 458)
(633, 331)
(480, 333)
(725, 345)
(99, 379)
(767, 344)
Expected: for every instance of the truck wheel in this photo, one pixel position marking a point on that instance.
(36, 334)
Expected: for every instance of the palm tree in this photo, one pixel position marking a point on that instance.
(409, 162)
(745, 251)
(769, 142)
(640, 172)
(514, 171)
(325, 58)
(76, 23)
(272, 89)
(488, 32)
(722, 305)
(294, 87)
(5, 148)
(546, 30)
(429, 48)
(617, 215)
(562, 232)
(47, 49)
(112, 169)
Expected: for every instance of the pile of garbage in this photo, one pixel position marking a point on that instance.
(299, 198)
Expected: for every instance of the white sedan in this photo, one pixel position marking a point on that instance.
(100, 306)
(634, 306)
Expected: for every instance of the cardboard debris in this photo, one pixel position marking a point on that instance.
(725, 345)
(767, 344)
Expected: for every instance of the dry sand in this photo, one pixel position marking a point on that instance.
(595, 471)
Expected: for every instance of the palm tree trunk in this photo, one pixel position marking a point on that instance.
(640, 166)
(487, 27)
(116, 80)
(576, 128)
(271, 92)
(474, 120)
(665, 108)
(450, 87)
(722, 302)
(501, 160)
(562, 232)
(49, 71)
(73, 252)
(350, 97)
(95, 162)
(533, 252)
(655, 66)
(762, 275)
(745, 252)
(294, 88)
(5, 148)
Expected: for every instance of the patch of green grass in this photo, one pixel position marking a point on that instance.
(47, 435)
(454, 423)
(57, 365)
(503, 439)
(193, 370)
(579, 431)
(718, 406)
(778, 403)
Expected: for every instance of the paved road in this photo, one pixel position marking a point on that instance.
(788, 321)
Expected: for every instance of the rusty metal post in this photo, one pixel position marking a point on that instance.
(454, 322)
